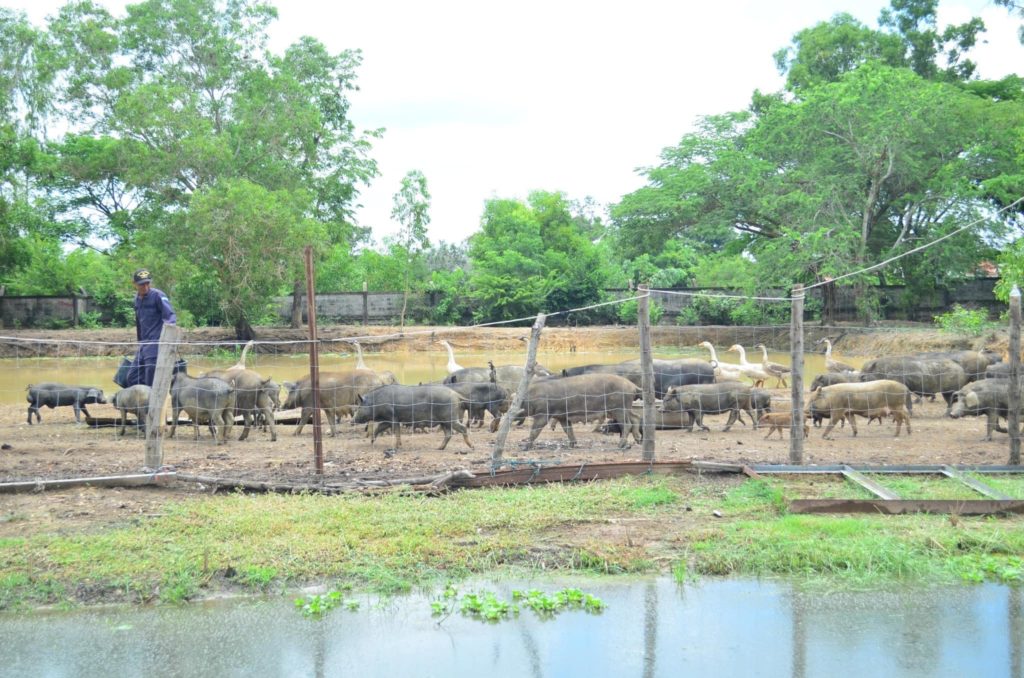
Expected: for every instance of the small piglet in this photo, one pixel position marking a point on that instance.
(134, 399)
(778, 421)
(60, 395)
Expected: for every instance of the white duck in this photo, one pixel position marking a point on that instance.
(834, 365)
(240, 365)
(775, 369)
(750, 370)
(723, 371)
(452, 365)
(360, 365)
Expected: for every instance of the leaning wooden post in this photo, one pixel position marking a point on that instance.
(1013, 420)
(796, 347)
(167, 352)
(517, 400)
(314, 366)
(646, 370)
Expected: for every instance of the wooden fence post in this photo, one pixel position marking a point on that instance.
(646, 370)
(517, 400)
(314, 366)
(170, 336)
(796, 348)
(1013, 418)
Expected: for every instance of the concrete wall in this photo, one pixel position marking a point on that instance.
(384, 307)
(347, 307)
(893, 304)
(41, 311)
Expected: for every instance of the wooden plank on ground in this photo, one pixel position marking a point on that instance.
(719, 467)
(962, 507)
(871, 486)
(572, 473)
(133, 480)
(974, 484)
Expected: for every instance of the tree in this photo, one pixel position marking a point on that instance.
(863, 160)
(243, 238)
(181, 96)
(907, 37)
(824, 52)
(411, 208)
(532, 257)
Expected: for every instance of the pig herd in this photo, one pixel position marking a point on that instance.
(971, 383)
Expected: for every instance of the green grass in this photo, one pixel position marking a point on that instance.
(1012, 485)
(925, 487)
(394, 543)
(388, 543)
(859, 550)
(819, 487)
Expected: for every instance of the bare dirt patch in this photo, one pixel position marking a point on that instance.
(60, 448)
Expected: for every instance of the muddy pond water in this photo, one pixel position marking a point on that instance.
(409, 367)
(651, 627)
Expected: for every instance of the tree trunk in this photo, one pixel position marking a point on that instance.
(297, 304)
(405, 298)
(828, 306)
(243, 330)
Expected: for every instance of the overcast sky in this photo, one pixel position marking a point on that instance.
(496, 99)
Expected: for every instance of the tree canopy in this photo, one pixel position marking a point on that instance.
(872, 150)
(165, 109)
(172, 137)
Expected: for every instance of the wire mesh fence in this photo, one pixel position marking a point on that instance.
(389, 401)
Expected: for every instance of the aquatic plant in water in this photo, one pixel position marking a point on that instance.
(486, 606)
(316, 606)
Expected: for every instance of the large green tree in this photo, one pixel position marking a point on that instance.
(229, 222)
(532, 257)
(180, 98)
(869, 154)
(411, 209)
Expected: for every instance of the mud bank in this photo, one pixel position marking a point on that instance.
(863, 341)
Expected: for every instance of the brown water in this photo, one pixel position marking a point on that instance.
(410, 367)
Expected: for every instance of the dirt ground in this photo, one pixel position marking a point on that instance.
(60, 448)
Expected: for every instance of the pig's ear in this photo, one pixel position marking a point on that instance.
(359, 398)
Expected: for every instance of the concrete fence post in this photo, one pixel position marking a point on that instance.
(796, 347)
(1013, 418)
(646, 370)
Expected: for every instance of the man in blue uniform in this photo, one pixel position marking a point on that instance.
(152, 310)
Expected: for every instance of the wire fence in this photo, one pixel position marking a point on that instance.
(718, 393)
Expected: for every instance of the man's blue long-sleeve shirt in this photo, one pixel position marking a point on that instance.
(151, 312)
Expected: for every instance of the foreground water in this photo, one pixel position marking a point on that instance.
(650, 628)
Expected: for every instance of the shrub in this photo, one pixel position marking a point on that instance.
(89, 320)
(962, 320)
(628, 312)
(710, 310)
